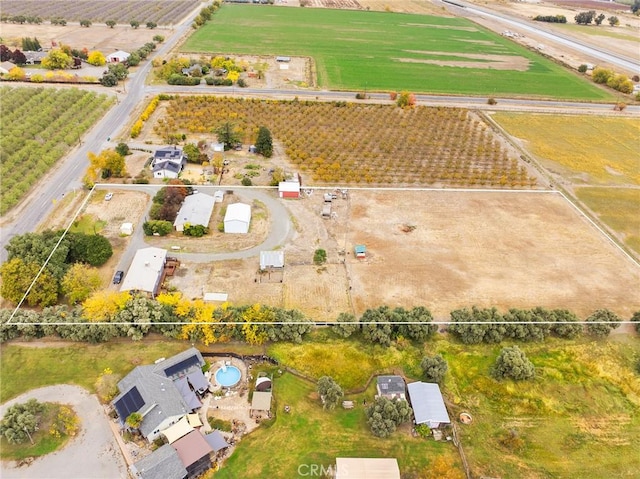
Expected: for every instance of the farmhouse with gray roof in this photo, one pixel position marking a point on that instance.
(162, 393)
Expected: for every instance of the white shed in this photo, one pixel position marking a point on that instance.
(271, 260)
(237, 218)
(118, 57)
(126, 229)
(218, 196)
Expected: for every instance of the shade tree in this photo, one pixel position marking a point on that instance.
(601, 323)
(512, 363)
(434, 368)
(330, 392)
(385, 415)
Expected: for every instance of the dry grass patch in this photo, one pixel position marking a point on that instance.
(587, 149)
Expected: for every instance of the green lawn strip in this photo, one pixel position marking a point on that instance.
(309, 435)
(88, 224)
(617, 208)
(585, 397)
(603, 148)
(388, 51)
(43, 441)
(23, 369)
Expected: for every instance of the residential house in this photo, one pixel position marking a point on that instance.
(428, 404)
(193, 450)
(390, 387)
(146, 271)
(34, 57)
(163, 393)
(196, 209)
(163, 463)
(5, 67)
(168, 162)
(193, 70)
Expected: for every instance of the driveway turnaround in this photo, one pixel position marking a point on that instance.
(92, 454)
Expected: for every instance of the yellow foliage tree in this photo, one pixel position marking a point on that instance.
(96, 58)
(16, 73)
(233, 76)
(107, 160)
(104, 305)
(201, 327)
(181, 306)
(254, 333)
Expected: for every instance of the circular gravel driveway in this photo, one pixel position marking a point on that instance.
(92, 454)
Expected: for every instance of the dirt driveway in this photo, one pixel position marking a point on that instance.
(93, 454)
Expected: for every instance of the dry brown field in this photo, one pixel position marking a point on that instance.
(441, 249)
(96, 37)
(486, 249)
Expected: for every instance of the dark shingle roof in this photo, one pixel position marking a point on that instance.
(163, 463)
(391, 385)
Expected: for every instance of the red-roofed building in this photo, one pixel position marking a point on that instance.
(193, 450)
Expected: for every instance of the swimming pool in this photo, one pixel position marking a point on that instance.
(228, 376)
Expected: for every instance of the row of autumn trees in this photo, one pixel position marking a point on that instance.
(476, 325)
(71, 270)
(106, 315)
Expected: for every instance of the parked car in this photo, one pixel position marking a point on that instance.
(108, 196)
(118, 277)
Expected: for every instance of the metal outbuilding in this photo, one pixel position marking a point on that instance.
(195, 210)
(237, 218)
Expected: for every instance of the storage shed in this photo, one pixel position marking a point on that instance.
(367, 468)
(361, 251)
(237, 218)
(271, 260)
(126, 229)
(118, 57)
(289, 189)
(428, 404)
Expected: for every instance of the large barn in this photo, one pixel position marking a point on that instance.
(237, 218)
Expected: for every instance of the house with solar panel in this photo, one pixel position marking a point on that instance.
(162, 393)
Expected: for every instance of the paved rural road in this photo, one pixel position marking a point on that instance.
(68, 172)
(93, 454)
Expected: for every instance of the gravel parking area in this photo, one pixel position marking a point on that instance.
(92, 454)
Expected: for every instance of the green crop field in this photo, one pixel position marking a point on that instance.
(355, 50)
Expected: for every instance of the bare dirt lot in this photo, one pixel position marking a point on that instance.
(96, 37)
(440, 249)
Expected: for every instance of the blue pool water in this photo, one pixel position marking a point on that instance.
(228, 376)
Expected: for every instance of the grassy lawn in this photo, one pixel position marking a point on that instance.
(309, 435)
(618, 208)
(43, 441)
(23, 368)
(88, 224)
(584, 403)
(586, 149)
(358, 50)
